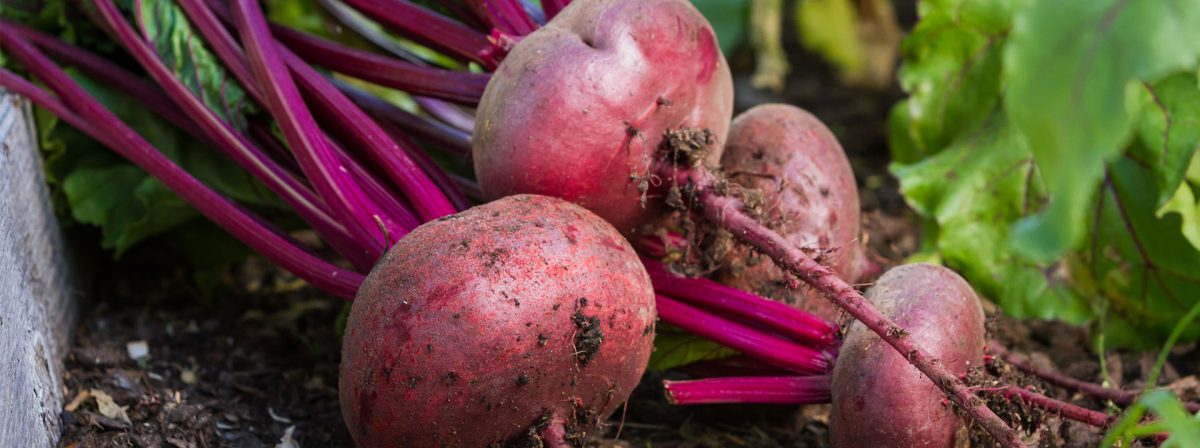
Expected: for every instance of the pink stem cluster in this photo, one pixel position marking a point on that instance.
(88, 115)
(727, 212)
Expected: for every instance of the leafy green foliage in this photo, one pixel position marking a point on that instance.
(1051, 163)
(96, 187)
(1073, 59)
(674, 347)
(164, 24)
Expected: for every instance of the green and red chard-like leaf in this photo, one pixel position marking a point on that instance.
(1059, 192)
(164, 25)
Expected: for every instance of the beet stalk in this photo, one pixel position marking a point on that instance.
(727, 213)
(86, 114)
(791, 390)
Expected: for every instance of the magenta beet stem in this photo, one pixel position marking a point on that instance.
(234, 144)
(451, 85)
(315, 155)
(448, 139)
(793, 390)
(436, 174)
(509, 16)
(426, 27)
(351, 123)
(753, 343)
(101, 124)
(709, 294)
(110, 74)
(553, 7)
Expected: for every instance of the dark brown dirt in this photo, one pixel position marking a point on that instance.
(238, 372)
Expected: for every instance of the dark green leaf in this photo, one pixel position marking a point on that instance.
(974, 190)
(128, 205)
(211, 252)
(1169, 128)
(1141, 265)
(728, 19)
(674, 347)
(952, 72)
(1073, 100)
(1069, 66)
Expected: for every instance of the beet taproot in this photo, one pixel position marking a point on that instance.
(579, 107)
(879, 398)
(527, 317)
(809, 196)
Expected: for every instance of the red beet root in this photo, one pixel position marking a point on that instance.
(809, 197)
(528, 317)
(879, 398)
(579, 107)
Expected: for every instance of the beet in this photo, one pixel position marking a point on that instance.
(579, 107)
(810, 198)
(527, 317)
(879, 398)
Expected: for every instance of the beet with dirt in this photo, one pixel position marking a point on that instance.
(879, 398)
(579, 107)
(527, 318)
(809, 196)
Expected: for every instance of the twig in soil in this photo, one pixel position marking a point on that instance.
(1118, 396)
(1062, 408)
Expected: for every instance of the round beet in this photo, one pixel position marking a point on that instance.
(879, 398)
(810, 197)
(578, 107)
(528, 317)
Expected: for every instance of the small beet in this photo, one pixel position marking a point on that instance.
(809, 196)
(524, 318)
(879, 398)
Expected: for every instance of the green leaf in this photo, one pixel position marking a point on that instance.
(129, 206)
(1169, 128)
(303, 15)
(1140, 265)
(830, 27)
(184, 51)
(674, 347)
(974, 190)
(952, 62)
(1069, 66)
(1184, 429)
(1082, 125)
(125, 203)
(728, 19)
(1184, 202)
(211, 252)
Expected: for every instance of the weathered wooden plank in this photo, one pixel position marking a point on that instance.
(37, 307)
